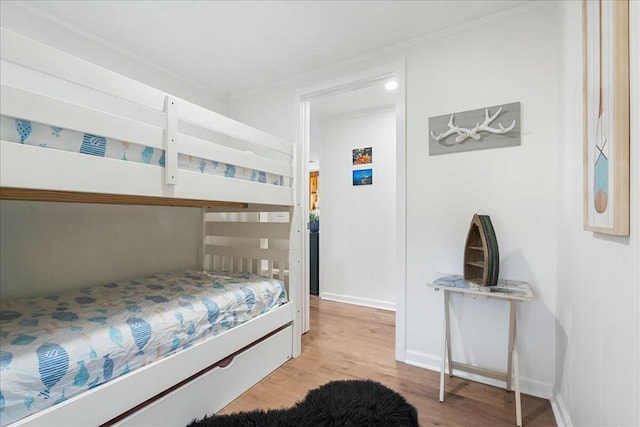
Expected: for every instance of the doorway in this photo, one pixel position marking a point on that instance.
(339, 98)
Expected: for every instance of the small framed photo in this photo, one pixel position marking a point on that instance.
(363, 177)
(362, 156)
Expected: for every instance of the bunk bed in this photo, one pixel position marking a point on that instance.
(72, 131)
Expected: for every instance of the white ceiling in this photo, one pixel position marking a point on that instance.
(234, 47)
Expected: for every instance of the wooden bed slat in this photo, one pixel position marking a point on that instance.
(7, 193)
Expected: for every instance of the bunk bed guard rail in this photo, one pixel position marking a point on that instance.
(42, 85)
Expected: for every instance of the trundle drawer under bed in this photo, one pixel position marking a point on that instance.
(215, 389)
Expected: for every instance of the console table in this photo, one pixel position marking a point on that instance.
(510, 291)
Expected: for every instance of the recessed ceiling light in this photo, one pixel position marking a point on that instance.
(391, 85)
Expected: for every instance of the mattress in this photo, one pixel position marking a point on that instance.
(57, 346)
(37, 134)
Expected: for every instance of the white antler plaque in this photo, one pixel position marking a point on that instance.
(467, 130)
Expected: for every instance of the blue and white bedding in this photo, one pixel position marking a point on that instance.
(37, 134)
(59, 345)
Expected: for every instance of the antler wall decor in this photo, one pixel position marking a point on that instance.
(464, 133)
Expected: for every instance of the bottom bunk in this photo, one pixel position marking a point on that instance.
(160, 350)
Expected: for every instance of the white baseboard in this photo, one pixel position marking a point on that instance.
(374, 303)
(560, 412)
(432, 362)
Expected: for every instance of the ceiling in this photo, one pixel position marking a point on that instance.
(235, 47)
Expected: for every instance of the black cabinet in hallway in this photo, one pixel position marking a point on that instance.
(314, 274)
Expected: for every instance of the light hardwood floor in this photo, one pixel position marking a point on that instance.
(353, 342)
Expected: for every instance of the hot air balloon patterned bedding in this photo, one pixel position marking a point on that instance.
(37, 134)
(57, 346)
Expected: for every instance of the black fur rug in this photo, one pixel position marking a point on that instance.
(351, 403)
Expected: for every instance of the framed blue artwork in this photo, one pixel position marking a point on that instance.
(363, 177)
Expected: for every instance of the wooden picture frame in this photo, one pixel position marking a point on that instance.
(606, 116)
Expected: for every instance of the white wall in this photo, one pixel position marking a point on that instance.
(506, 61)
(357, 221)
(513, 58)
(52, 246)
(598, 276)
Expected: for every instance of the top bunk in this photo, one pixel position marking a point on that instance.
(72, 131)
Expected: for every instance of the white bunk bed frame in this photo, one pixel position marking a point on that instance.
(45, 85)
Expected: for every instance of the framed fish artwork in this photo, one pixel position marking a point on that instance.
(606, 116)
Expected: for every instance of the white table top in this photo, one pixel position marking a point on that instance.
(505, 289)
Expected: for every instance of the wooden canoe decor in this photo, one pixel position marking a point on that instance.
(481, 256)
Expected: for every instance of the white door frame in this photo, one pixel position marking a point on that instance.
(343, 84)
